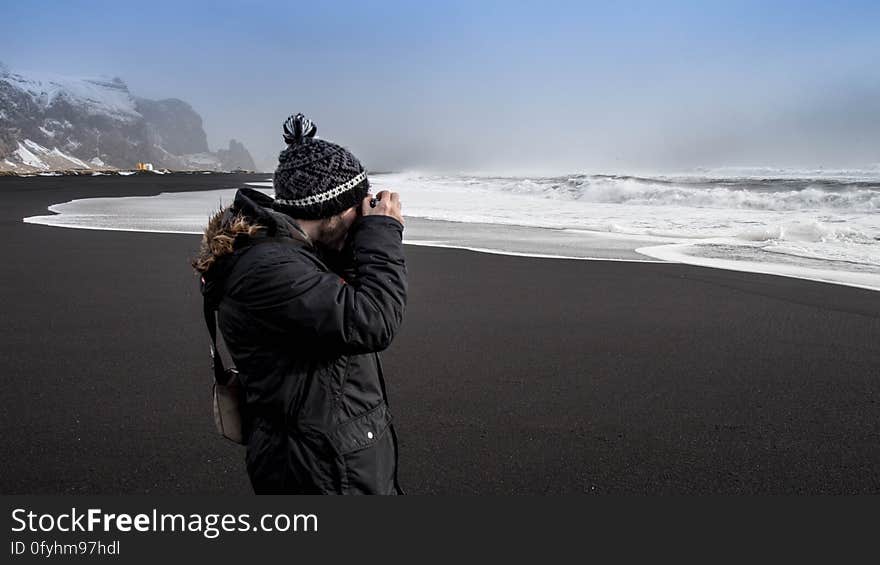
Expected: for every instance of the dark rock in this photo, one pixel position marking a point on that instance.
(173, 125)
(236, 157)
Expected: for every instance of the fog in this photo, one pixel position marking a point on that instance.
(499, 87)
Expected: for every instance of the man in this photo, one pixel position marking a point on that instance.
(310, 286)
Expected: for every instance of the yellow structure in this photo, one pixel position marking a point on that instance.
(145, 166)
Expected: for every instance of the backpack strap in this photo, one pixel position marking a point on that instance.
(210, 310)
(216, 361)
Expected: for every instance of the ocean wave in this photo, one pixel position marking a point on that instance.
(808, 231)
(782, 194)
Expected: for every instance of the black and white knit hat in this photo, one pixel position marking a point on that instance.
(315, 178)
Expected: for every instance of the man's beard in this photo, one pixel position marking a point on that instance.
(340, 261)
(333, 234)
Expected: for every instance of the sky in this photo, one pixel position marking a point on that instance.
(502, 87)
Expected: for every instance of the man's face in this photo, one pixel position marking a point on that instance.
(334, 230)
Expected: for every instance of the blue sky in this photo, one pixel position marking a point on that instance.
(500, 86)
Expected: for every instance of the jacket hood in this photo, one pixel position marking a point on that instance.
(250, 217)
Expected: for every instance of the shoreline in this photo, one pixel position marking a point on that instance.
(513, 240)
(647, 259)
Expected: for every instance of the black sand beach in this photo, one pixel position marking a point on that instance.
(510, 375)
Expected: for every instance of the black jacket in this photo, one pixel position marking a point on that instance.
(304, 329)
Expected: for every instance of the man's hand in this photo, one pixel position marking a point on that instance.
(387, 204)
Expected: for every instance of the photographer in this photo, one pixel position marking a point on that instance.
(310, 286)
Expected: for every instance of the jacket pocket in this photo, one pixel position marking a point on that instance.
(361, 431)
(365, 447)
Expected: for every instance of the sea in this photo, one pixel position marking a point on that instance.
(819, 224)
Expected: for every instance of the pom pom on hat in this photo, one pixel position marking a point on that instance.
(297, 128)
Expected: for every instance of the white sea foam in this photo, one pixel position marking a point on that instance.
(825, 227)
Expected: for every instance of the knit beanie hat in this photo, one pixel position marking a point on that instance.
(315, 178)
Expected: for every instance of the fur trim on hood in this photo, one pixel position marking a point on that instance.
(224, 227)
(230, 228)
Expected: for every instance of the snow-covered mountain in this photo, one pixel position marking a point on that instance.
(52, 122)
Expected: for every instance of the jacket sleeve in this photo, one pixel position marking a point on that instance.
(319, 311)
